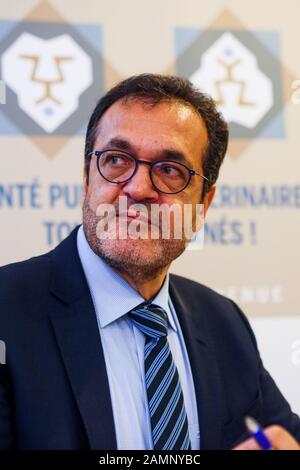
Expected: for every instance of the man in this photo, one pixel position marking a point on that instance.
(104, 348)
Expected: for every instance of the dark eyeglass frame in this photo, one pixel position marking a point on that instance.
(191, 172)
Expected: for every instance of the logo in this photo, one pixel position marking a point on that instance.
(241, 69)
(53, 75)
(44, 76)
(229, 72)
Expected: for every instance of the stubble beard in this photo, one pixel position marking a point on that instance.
(141, 259)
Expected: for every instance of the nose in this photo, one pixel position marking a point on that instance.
(140, 186)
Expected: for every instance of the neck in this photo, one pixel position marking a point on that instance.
(147, 288)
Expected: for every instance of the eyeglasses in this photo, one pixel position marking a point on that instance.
(167, 176)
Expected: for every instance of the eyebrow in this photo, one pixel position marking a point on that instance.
(168, 154)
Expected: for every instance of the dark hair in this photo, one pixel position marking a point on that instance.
(153, 88)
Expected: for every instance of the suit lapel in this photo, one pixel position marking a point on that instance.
(72, 315)
(203, 363)
(75, 325)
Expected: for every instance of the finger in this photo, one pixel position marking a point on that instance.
(281, 439)
(249, 444)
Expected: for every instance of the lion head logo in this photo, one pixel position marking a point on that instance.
(48, 76)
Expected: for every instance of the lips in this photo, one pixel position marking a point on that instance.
(138, 217)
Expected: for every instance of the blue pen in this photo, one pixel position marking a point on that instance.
(257, 432)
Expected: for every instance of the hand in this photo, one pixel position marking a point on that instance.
(278, 436)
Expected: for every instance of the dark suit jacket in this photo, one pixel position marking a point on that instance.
(54, 391)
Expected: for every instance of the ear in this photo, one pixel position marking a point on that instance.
(208, 199)
(85, 183)
(204, 208)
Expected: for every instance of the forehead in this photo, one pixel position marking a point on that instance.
(164, 125)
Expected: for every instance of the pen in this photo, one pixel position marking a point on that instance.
(257, 432)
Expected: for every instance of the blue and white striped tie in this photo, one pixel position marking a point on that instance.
(165, 398)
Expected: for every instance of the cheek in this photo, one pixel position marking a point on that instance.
(191, 206)
(100, 191)
(188, 197)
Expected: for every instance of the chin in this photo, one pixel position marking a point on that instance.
(139, 258)
(139, 252)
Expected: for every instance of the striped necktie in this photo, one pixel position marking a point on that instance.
(165, 398)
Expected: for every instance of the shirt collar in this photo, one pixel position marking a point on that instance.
(113, 297)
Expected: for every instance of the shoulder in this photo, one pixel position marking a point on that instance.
(33, 274)
(24, 272)
(199, 294)
(23, 289)
(222, 313)
(196, 288)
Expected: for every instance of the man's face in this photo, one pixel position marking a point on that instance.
(148, 133)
